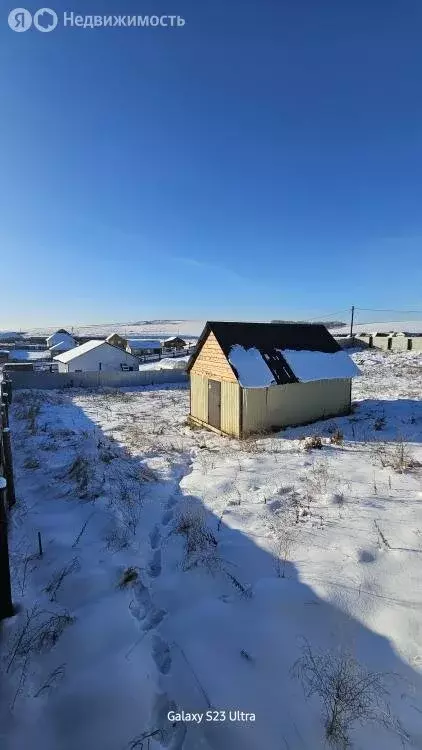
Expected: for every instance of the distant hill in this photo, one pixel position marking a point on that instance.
(326, 323)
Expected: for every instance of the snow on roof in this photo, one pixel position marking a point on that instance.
(270, 339)
(308, 366)
(77, 351)
(25, 355)
(252, 370)
(144, 343)
(62, 346)
(61, 337)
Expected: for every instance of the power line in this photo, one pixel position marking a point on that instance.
(328, 315)
(371, 309)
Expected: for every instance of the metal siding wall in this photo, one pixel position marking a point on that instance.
(255, 416)
(199, 397)
(296, 403)
(417, 344)
(399, 343)
(230, 408)
(381, 342)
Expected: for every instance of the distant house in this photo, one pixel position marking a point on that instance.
(96, 356)
(143, 347)
(116, 340)
(61, 337)
(174, 343)
(253, 377)
(62, 346)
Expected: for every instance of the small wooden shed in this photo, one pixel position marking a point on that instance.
(255, 377)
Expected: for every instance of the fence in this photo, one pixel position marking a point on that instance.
(52, 380)
(392, 343)
(7, 499)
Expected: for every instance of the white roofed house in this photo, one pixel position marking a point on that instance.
(61, 337)
(253, 377)
(62, 346)
(96, 356)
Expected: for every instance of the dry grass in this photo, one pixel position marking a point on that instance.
(312, 442)
(129, 575)
(39, 633)
(349, 693)
(337, 438)
(31, 463)
(200, 542)
(397, 456)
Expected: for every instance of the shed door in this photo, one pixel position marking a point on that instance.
(214, 403)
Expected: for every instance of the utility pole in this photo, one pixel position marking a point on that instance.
(351, 321)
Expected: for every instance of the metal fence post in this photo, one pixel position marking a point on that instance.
(6, 604)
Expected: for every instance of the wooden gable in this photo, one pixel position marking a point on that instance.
(212, 363)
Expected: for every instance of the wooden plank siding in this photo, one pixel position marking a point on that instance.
(199, 397)
(212, 363)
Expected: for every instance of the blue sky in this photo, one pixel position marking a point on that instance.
(263, 161)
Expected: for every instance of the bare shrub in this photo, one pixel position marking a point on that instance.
(129, 575)
(27, 406)
(382, 540)
(285, 536)
(397, 456)
(81, 532)
(51, 682)
(251, 444)
(23, 563)
(142, 742)
(32, 413)
(312, 442)
(200, 542)
(106, 455)
(59, 576)
(337, 438)
(349, 692)
(129, 502)
(117, 538)
(379, 424)
(79, 471)
(338, 499)
(39, 633)
(31, 463)
(319, 478)
(117, 396)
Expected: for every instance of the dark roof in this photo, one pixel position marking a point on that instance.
(269, 338)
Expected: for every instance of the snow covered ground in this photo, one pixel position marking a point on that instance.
(166, 363)
(185, 571)
(26, 355)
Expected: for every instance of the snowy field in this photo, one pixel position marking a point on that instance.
(184, 571)
(410, 326)
(189, 329)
